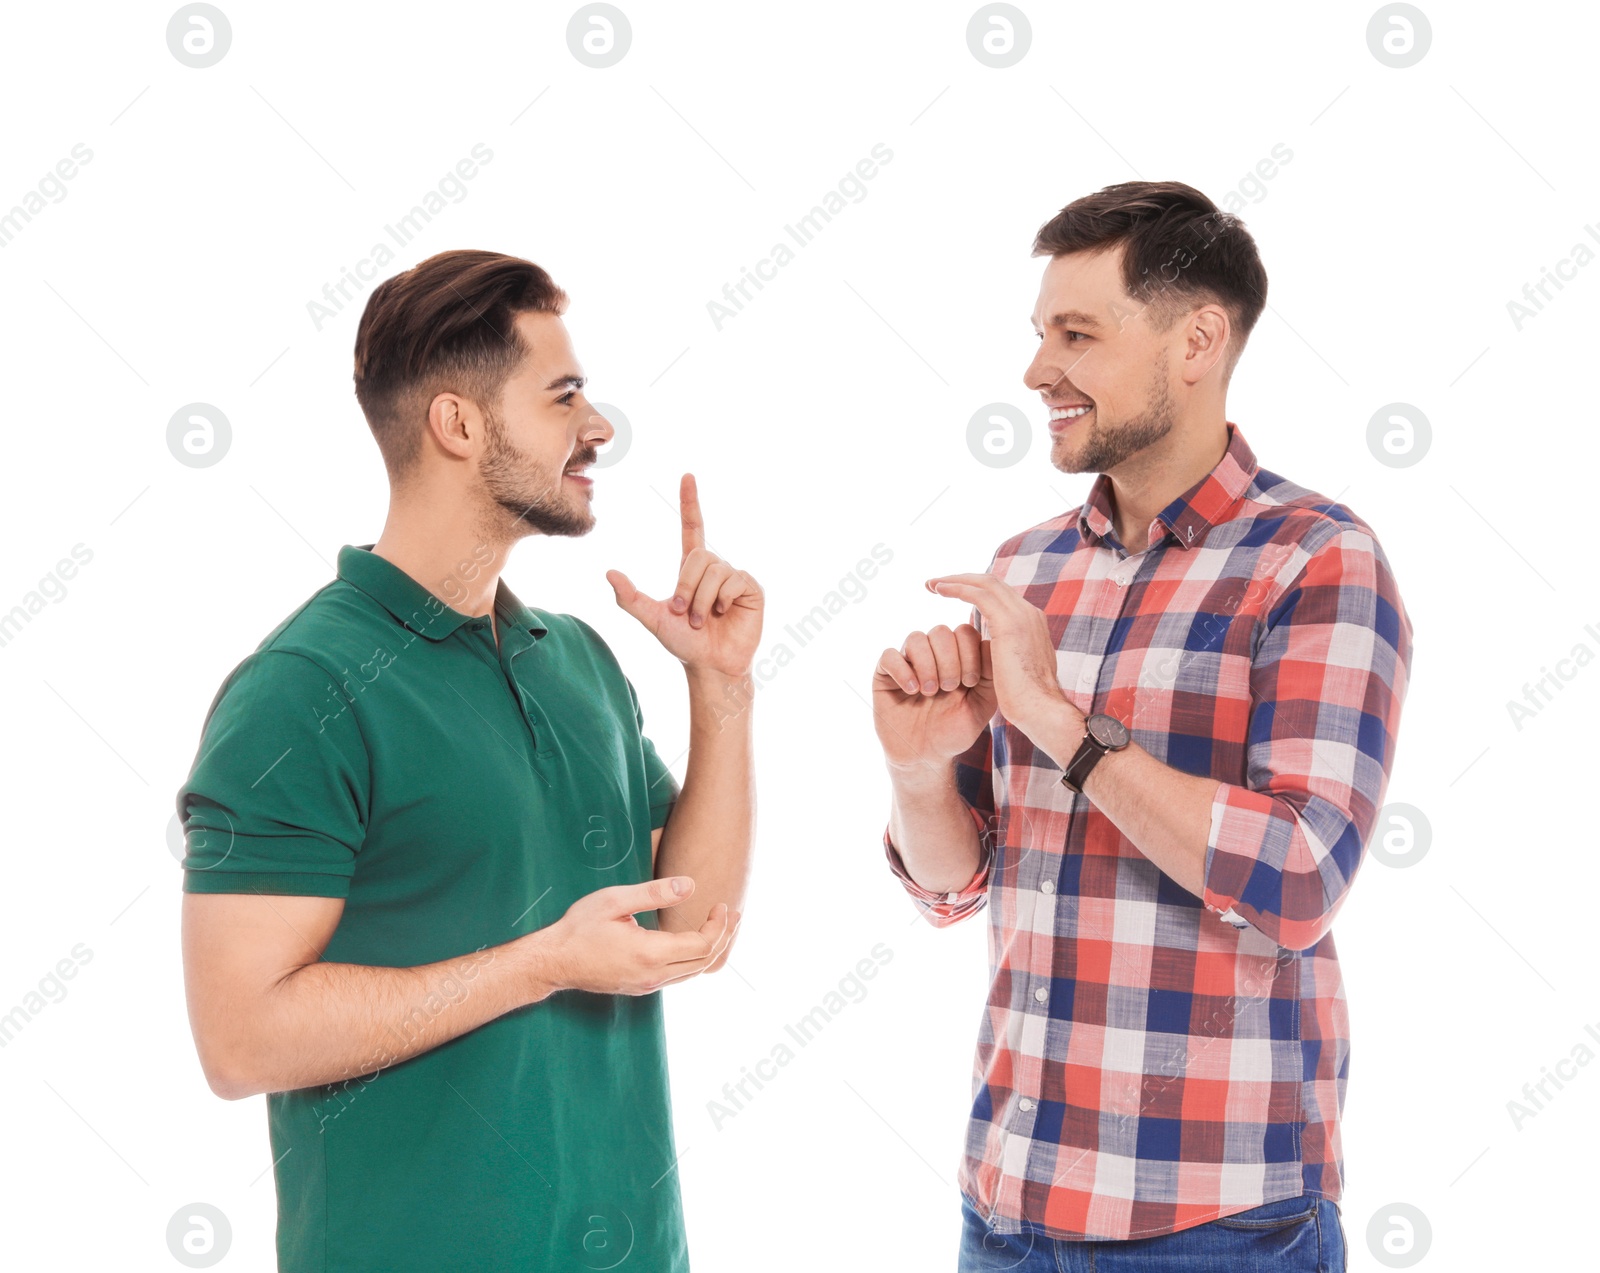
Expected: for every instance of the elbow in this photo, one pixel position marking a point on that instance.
(226, 1073)
(1316, 889)
(230, 1084)
(231, 1089)
(1300, 935)
(1286, 873)
(1303, 913)
(944, 914)
(1309, 932)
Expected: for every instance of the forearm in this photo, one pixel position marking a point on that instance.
(327, 1022)
(709, 834)
(931, 826)
(1165, 812)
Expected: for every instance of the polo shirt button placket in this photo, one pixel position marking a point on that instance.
(530, 709)
(540, 752)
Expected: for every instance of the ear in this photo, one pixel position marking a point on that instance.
(1207, 336)
(447, 421)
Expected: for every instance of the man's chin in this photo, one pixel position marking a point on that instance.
(569, 522)
(582, 517)
(1067, 457)
(568, 529)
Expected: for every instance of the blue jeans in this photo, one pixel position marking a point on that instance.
(1296, 1235)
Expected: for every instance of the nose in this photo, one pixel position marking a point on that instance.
(1040, 375)
(598, 430)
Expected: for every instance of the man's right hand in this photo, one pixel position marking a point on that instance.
(599, 946)
(933, 696)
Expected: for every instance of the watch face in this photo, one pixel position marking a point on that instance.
(1108, 731)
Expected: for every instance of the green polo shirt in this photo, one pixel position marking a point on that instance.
(377, 747)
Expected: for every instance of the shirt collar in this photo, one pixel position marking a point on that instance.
(1208, 502)
(414, 606)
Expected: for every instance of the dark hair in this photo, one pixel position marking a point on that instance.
(446, 324)
(1179, 250)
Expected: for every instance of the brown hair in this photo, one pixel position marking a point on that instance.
(448, 324)
(1179, 250)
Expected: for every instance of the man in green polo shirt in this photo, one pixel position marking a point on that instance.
(435, 870)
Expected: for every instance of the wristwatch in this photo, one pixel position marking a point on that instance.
(1104, 733)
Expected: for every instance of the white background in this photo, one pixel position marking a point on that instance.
(827, 417)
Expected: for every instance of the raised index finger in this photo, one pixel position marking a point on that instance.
(694, 524)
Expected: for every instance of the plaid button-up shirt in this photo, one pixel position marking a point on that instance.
(1150, 1059)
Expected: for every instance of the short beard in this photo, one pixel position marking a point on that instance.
(1109, 445)
(513, 482)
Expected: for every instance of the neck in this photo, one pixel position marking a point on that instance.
(1146, 482)
(445, 546)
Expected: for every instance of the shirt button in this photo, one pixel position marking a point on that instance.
(1042, 993)
(1047, 887)
(1024, 1104)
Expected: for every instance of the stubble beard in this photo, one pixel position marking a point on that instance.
(534, 501)
(1108, 445)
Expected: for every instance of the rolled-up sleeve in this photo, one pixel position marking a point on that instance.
(1327, 682)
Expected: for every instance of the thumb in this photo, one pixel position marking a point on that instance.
(986, 663)
(630, 598)
(630, 899)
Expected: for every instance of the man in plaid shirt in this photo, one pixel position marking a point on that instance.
(1157, 753)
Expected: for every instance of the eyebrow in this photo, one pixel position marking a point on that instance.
(1074, 318)
(567, 381)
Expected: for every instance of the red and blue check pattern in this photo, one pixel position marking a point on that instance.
(1149, 1059)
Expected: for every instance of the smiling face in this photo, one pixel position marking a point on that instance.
(541, 437)
(1102, 368)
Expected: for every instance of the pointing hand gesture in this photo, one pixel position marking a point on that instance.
(1019, 649)
(712, 621)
